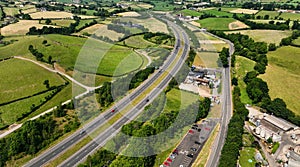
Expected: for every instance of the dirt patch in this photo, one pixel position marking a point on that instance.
(237, 25)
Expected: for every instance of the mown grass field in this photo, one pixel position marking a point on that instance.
(24, 78)
(272, 14)
(268, 36)
(216, 23)
(247, 157)
(179, 99)
(21, 27)
(242, 66)
(283, 76)
(152, 24)
(62, 23)
(51, 15)
(10, 11)
(188, 12)
(218, 13)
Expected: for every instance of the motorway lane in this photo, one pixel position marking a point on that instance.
(80, 155)
(90, 127)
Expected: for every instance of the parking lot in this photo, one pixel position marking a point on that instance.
(187, 151)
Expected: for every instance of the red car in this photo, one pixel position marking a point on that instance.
(191, 131)
(113, 110)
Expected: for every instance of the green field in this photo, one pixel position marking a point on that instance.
(268, 36)
(10, 11)
(216, 23)
(95, 56)
(164, 6)
(272, 14)
(62, 23)
(228, 9)
(23, 78)
(11, 112)
(291, 16)
(242, 66)
(296, 41)
(188, 12)
(284, 67)
(137, 42)
(83, 22)
(247, 157)
(218, 13)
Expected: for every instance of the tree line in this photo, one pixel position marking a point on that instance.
(32, 137)
(254, 25)
(233, 141)
(223, 56)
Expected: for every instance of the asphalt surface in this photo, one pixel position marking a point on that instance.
(60, 148)
(188, 147)
(226, 112)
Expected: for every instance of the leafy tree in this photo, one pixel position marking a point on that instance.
(44, 42)
(47, 84)
(48, 21)
(272, 47)
(234, 81)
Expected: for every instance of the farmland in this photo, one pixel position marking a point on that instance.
(65, 50)
(284, 69)
(101, 30)
(29, 79)
(291, 16)
(268, 36)
(272, 14)
(137, 42)
(51, 15)
(187, 12)
(243, 65)
(244, 11)
(152, 24)
(216, 23)
(21, 27)
(10, 11)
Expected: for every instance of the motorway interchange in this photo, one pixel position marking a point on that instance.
(171, 67)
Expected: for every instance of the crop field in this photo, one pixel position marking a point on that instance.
(51, 15)
(242, 66)
(268, 36)
(284, 69)
(137, 42)
(10, 11)
(29, 10)
(247, 157)
(152, 24)
(272, 14)
(291, 16)
(129, 14)
(21, 27)
(228, 9)
(62, 23)
(28, 79)
(188, 12)
(101, 30)
(267, 21)
(216, 23)
(244, 11)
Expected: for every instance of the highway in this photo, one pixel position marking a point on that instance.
(60, 148)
